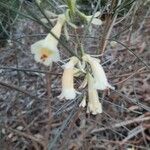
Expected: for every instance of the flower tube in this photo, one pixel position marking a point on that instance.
(68, 91)
(94, 106)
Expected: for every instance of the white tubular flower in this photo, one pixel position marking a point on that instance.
(95, 20)
(100, 79)
(68, 91)
(45, 51)
(94, 106)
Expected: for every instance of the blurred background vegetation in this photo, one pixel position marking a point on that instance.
(8, 17)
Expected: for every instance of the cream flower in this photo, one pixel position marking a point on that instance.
(94, 18)
(100, 79)
(94, 106)
(68, 91)
(45, 51)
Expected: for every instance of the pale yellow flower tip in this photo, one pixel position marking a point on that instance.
(83, 102)
(100, 79)
(113, 44)
(68, 91)
(95, 21)
(132, 148)
(94, 106)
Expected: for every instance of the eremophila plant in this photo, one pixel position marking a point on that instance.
(45, 51)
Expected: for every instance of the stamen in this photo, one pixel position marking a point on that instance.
(43, 57)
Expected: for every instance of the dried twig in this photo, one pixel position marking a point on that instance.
(28, 136)
(108, 29)
(19, 90)
(49, 97)
(130, 75)
(124, 123)
(133, 133)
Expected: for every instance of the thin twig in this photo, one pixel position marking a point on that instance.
(40, 141)
(64, 124)
(130, 76)
(19, 90)
(133, 133)
(124, 123)
(49, 97)
(134, 101)
(29, 70)
(147, 66)
(108, 29)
